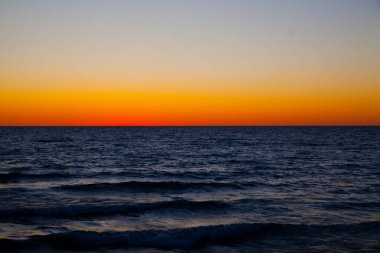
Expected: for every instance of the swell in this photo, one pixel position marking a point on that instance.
(90, 211)
(54, 140)
(193, 238)
(19, 176)
(352, 205)
(148, 186)
(14, 177)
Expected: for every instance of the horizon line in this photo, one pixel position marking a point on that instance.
(1, 126)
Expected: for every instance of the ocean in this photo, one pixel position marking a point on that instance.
(190, 189)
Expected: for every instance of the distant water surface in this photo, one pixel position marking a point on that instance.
(179, 189)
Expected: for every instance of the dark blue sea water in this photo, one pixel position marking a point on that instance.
(190, 189)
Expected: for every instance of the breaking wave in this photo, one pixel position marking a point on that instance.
(190, 238)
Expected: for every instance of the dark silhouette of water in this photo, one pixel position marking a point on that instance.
(204, 189)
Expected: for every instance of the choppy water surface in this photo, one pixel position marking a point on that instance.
(206, 189)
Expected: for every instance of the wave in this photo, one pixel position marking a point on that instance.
(14, 177)
(148, 186)
(19, 176)
(352, 205)
(54, 140)
(90, 211)
(197, 237)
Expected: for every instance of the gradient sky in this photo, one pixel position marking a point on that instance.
(189, 62)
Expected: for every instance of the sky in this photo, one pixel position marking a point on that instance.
(189, 62)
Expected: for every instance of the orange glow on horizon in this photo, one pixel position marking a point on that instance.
(110, 108)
